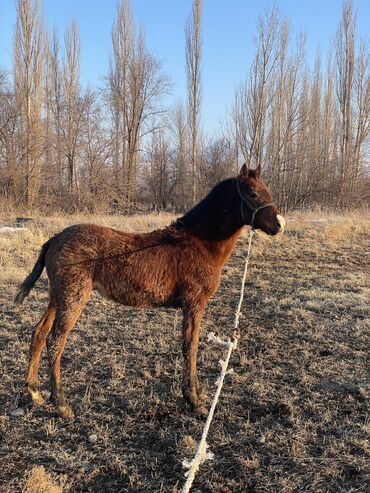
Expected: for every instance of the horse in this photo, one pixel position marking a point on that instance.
(178, 266)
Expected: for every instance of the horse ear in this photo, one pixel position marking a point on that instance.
(258, 171)
(243, 173)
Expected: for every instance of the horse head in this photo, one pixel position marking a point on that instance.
(257, 207)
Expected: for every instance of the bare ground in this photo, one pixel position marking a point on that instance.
(294, 416)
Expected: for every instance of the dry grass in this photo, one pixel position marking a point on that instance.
(40, 481)
(300, 375)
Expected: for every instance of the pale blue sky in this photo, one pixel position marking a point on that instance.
(228, 28)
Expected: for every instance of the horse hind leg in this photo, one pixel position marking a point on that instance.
(38, 342)
(66, 317)
(191, 331)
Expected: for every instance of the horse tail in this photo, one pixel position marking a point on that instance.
(31, 279)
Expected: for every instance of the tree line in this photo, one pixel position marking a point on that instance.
(124, 148)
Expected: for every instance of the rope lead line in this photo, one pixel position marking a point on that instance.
(201, 454)
(241, 297)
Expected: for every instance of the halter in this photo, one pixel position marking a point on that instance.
(250, 205)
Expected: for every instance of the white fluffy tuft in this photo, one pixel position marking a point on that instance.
(282, 223)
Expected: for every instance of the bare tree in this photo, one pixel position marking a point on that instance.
(95, 175)
(179, 134)
(47, 123)
(123, 41)
(10, 174)
(137, 88)
(73, 107)
(283, 116)
(217, 162)
(28, 73)
(55, 102)
(161, 179)
(193, 76)
(353, 97)
(328, 136)
(360, 113)
(254, 96)
(345, 58)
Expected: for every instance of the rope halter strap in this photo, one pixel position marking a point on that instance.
(254, 208)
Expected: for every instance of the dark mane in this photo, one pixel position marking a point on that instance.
(203, 219)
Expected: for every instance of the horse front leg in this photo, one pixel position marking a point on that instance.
(190, 333)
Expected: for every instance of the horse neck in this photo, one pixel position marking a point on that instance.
(216, 220)
(222, 249)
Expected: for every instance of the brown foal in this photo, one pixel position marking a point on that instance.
(179, 266)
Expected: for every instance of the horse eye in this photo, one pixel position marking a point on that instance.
(252, 195)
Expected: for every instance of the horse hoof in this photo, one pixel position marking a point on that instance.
(66, 412)
(201, 410)
(37, 399)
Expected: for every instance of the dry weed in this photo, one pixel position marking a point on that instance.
(39, 481)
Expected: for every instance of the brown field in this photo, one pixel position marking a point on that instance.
(294, 416)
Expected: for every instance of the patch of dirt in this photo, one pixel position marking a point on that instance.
(300, 380)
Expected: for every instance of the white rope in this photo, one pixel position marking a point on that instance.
(201, 454)
(241, 297)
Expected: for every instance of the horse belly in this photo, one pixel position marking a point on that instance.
(131, 294)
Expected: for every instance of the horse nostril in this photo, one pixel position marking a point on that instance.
(281, 222)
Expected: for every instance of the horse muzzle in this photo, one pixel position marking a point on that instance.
(281, 221)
